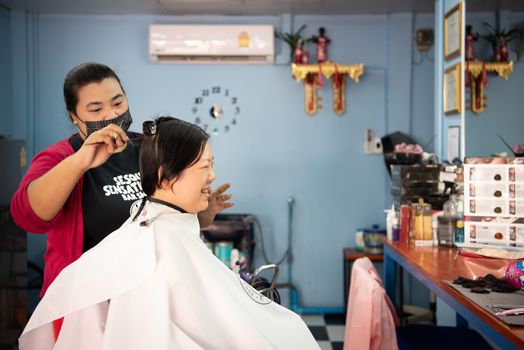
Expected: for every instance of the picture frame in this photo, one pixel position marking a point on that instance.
(453, 142)
(453, 32)
(452, 94)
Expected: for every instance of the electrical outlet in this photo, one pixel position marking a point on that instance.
(377, 145)
(372, 144)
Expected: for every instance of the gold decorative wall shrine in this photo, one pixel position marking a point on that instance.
(476, 79)
(313, 74)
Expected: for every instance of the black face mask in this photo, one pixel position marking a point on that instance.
(124, 121)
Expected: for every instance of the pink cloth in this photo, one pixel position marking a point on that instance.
(371, 319)
(66, 230)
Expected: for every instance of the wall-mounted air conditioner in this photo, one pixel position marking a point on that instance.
(171, 43)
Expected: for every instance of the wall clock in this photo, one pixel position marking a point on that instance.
(216, 110)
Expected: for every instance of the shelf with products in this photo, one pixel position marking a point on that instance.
(313, 74)
(477, 79)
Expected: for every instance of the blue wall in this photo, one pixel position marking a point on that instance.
(6, 80)
(503, 113)
(443, 121)
(276, 150)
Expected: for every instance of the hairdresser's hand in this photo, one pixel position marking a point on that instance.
(218, 201)
(100, 145)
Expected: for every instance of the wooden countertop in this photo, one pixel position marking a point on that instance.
(434, 265)
(352, 254)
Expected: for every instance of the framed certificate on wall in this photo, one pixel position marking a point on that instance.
(452, 89)
(453, 144)
(453, 32)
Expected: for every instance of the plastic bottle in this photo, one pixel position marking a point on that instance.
(235, 258)
(405, 222)
(458, 233)
(450, 206)
(434, 226)
(447, 222)
(423, 228)
(396, 229)
(427, 227)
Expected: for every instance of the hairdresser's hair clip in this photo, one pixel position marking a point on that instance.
(149, 127)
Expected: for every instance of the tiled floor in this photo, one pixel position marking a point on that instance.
(328, 330)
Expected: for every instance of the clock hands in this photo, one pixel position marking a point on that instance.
(216, 111)
(220, 105)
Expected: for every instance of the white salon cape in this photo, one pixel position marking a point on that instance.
(156, 285)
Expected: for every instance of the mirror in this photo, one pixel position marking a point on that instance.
(503, 112)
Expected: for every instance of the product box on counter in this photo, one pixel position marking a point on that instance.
(494, 207)
(494, 231)
(494, 169)
(494, 186)
(494, 190)
(494, 203)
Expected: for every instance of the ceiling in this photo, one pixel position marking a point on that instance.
(245, 7)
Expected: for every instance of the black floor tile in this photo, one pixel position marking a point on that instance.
(335, 319)
(337, 345)
(319, 332)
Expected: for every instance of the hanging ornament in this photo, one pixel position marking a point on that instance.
(339, 92)
(484, 74)
(320, 80)
(310, 90)
(312, 73)
(477, 92)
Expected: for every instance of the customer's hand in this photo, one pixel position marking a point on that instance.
(218, 201)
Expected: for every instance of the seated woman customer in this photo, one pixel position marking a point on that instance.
(152, 283)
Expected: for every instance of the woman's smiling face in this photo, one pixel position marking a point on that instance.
(191, 190)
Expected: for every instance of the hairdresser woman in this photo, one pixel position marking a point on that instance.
(82, 188)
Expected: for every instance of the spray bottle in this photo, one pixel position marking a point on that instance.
(390, 217)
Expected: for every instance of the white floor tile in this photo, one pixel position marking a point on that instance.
(314, 320)
(335, 332)
(325, 345)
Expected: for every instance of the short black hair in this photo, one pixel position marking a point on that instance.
(80, 76)
(169, 144)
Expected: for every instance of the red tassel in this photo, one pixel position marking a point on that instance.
(310, 81)
(484, 74)
(336, 78)
(320, 81)
(341, 92)
(338, 84)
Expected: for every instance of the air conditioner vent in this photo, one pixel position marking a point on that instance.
(249, 44)
(210, 59)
